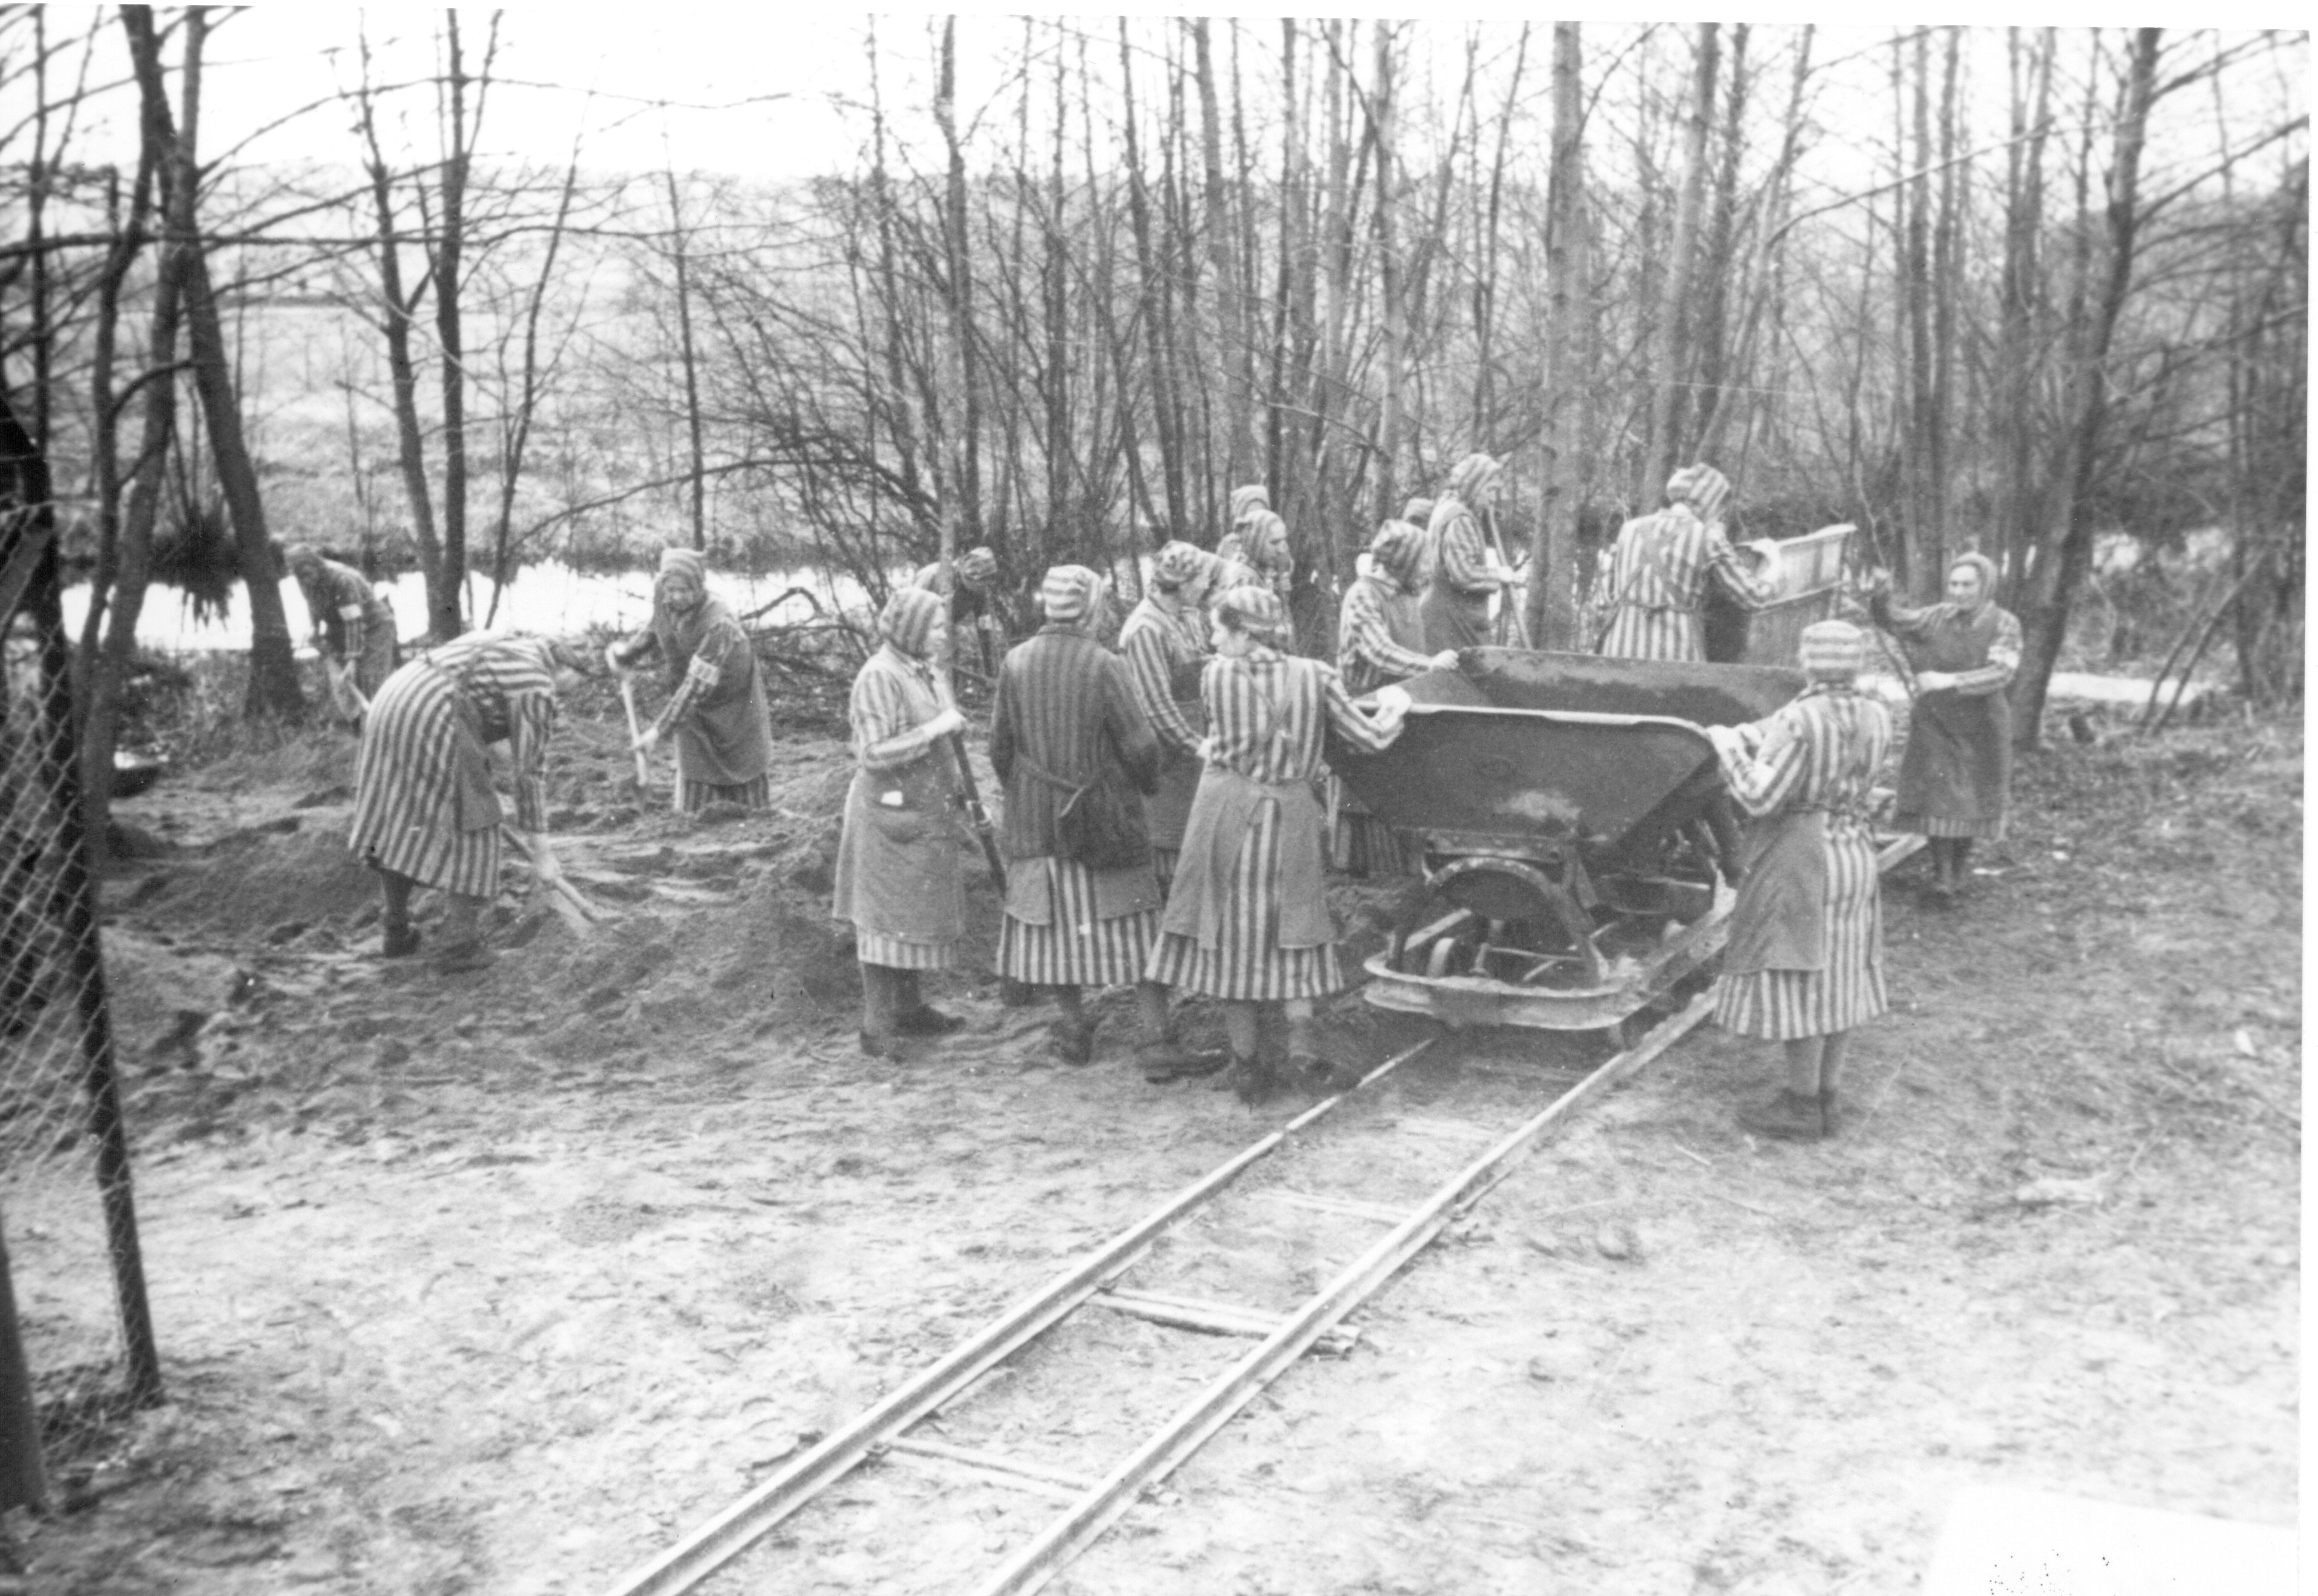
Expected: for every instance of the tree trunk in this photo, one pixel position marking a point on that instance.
(1553, 562)
(272, 669)
(447, 600)
(961, 521)
(2022, 294)
(685, 346)
(1665, 447)
(1381, 110)
(1225, 293)
(2065, 552)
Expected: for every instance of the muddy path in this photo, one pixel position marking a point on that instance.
(496, 1283)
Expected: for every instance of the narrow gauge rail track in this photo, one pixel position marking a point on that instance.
(882, 1434)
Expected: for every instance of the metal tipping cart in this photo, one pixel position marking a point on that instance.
(1572, 814)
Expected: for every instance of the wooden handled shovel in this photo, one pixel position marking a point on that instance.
(628, 703)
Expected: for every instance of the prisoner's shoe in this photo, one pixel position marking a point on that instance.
(879, 1044)
(1014, 994)
(1787, 1116)
(1164, 1061)
(460, 957)
(1072, 1039)
(402, 942)
(1316, 1073)
(1255, 1081)
(925, 1019)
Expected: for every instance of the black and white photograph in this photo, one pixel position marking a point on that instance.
(797, 799)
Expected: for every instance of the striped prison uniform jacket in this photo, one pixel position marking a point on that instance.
(1821, 752)
(1269, 713)
(1066, 715)
(1651, 595)
(415, 750)
(1371, 650)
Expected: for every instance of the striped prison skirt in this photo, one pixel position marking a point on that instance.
(1247, 964)
(873, 947)
(1941, 825)
(692, 796)
(405, 780)
(1785, 1005)
(1074, 948)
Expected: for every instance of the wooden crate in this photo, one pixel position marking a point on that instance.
(1807, 579)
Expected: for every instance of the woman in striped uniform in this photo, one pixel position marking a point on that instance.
(1805, 961)
(353, 625)
(1378, 640)
(1648, 602)
(899, 879)
(1956, 774)
(1465, 571)
(717, 693)
(1247, 921)
(1247, 503)
(1067, 737)
(425, 813)
(1164, 643)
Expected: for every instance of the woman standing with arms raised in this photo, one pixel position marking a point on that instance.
(1955, 777)
(1247, 919)
(1804, 966)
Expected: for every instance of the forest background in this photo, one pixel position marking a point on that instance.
(1058, 284)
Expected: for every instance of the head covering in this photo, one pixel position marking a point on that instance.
(1833, 650)
(977, 565)
(1398, 549)
(301, 553)
(1709, 491)
(1417, 512)
(1256, 611)
(1068, 594)
(909, 618)
(1470, 477)
(1229, 574)
(1984, 565)
(1267, 543)
(689, 561)
(1254, 496)
(1679, 486)
(1179, 565)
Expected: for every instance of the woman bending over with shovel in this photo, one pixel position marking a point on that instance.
(425, 813)
(716, 703)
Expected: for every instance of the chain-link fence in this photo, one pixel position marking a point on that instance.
(78, 1350)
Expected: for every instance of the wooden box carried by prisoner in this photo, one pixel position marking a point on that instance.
(1806, 578)
(1566, 804)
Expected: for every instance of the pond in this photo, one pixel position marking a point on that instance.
(549, 596)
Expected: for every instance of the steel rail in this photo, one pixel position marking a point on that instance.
(732, 1531)
(1053, 1548)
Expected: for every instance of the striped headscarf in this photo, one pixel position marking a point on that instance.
(1833, 651)
(690, 561)
(1709, 491)
(1417, 512)
(909, 618)
(1179, 564)
(1987, 568)
(1398, 550)
(1471, 478)
(1069, 593)
(1267, 543)
(683, 579)
(1256, 611)
(1254, 497)
(977, 565)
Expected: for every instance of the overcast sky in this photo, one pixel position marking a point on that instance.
(757, 88)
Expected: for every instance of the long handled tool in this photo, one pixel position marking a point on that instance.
(348, 698)
(635, 732)
(575, 909)
(1512, 622)
(977, 816)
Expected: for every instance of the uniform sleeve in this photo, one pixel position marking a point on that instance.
(531, 722)
(719, 651)
(1232, 713)
(1464, 557)
(1363, 635)
(1723, 561)
(1147, 677)
(640, 646)
(1761, 782)
(2003, 661)
(1349, 719)
(1898, 620)
(1131, 733)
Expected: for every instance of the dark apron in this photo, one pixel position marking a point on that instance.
(1958, 764)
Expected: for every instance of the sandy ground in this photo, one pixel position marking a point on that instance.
(496, 1283)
